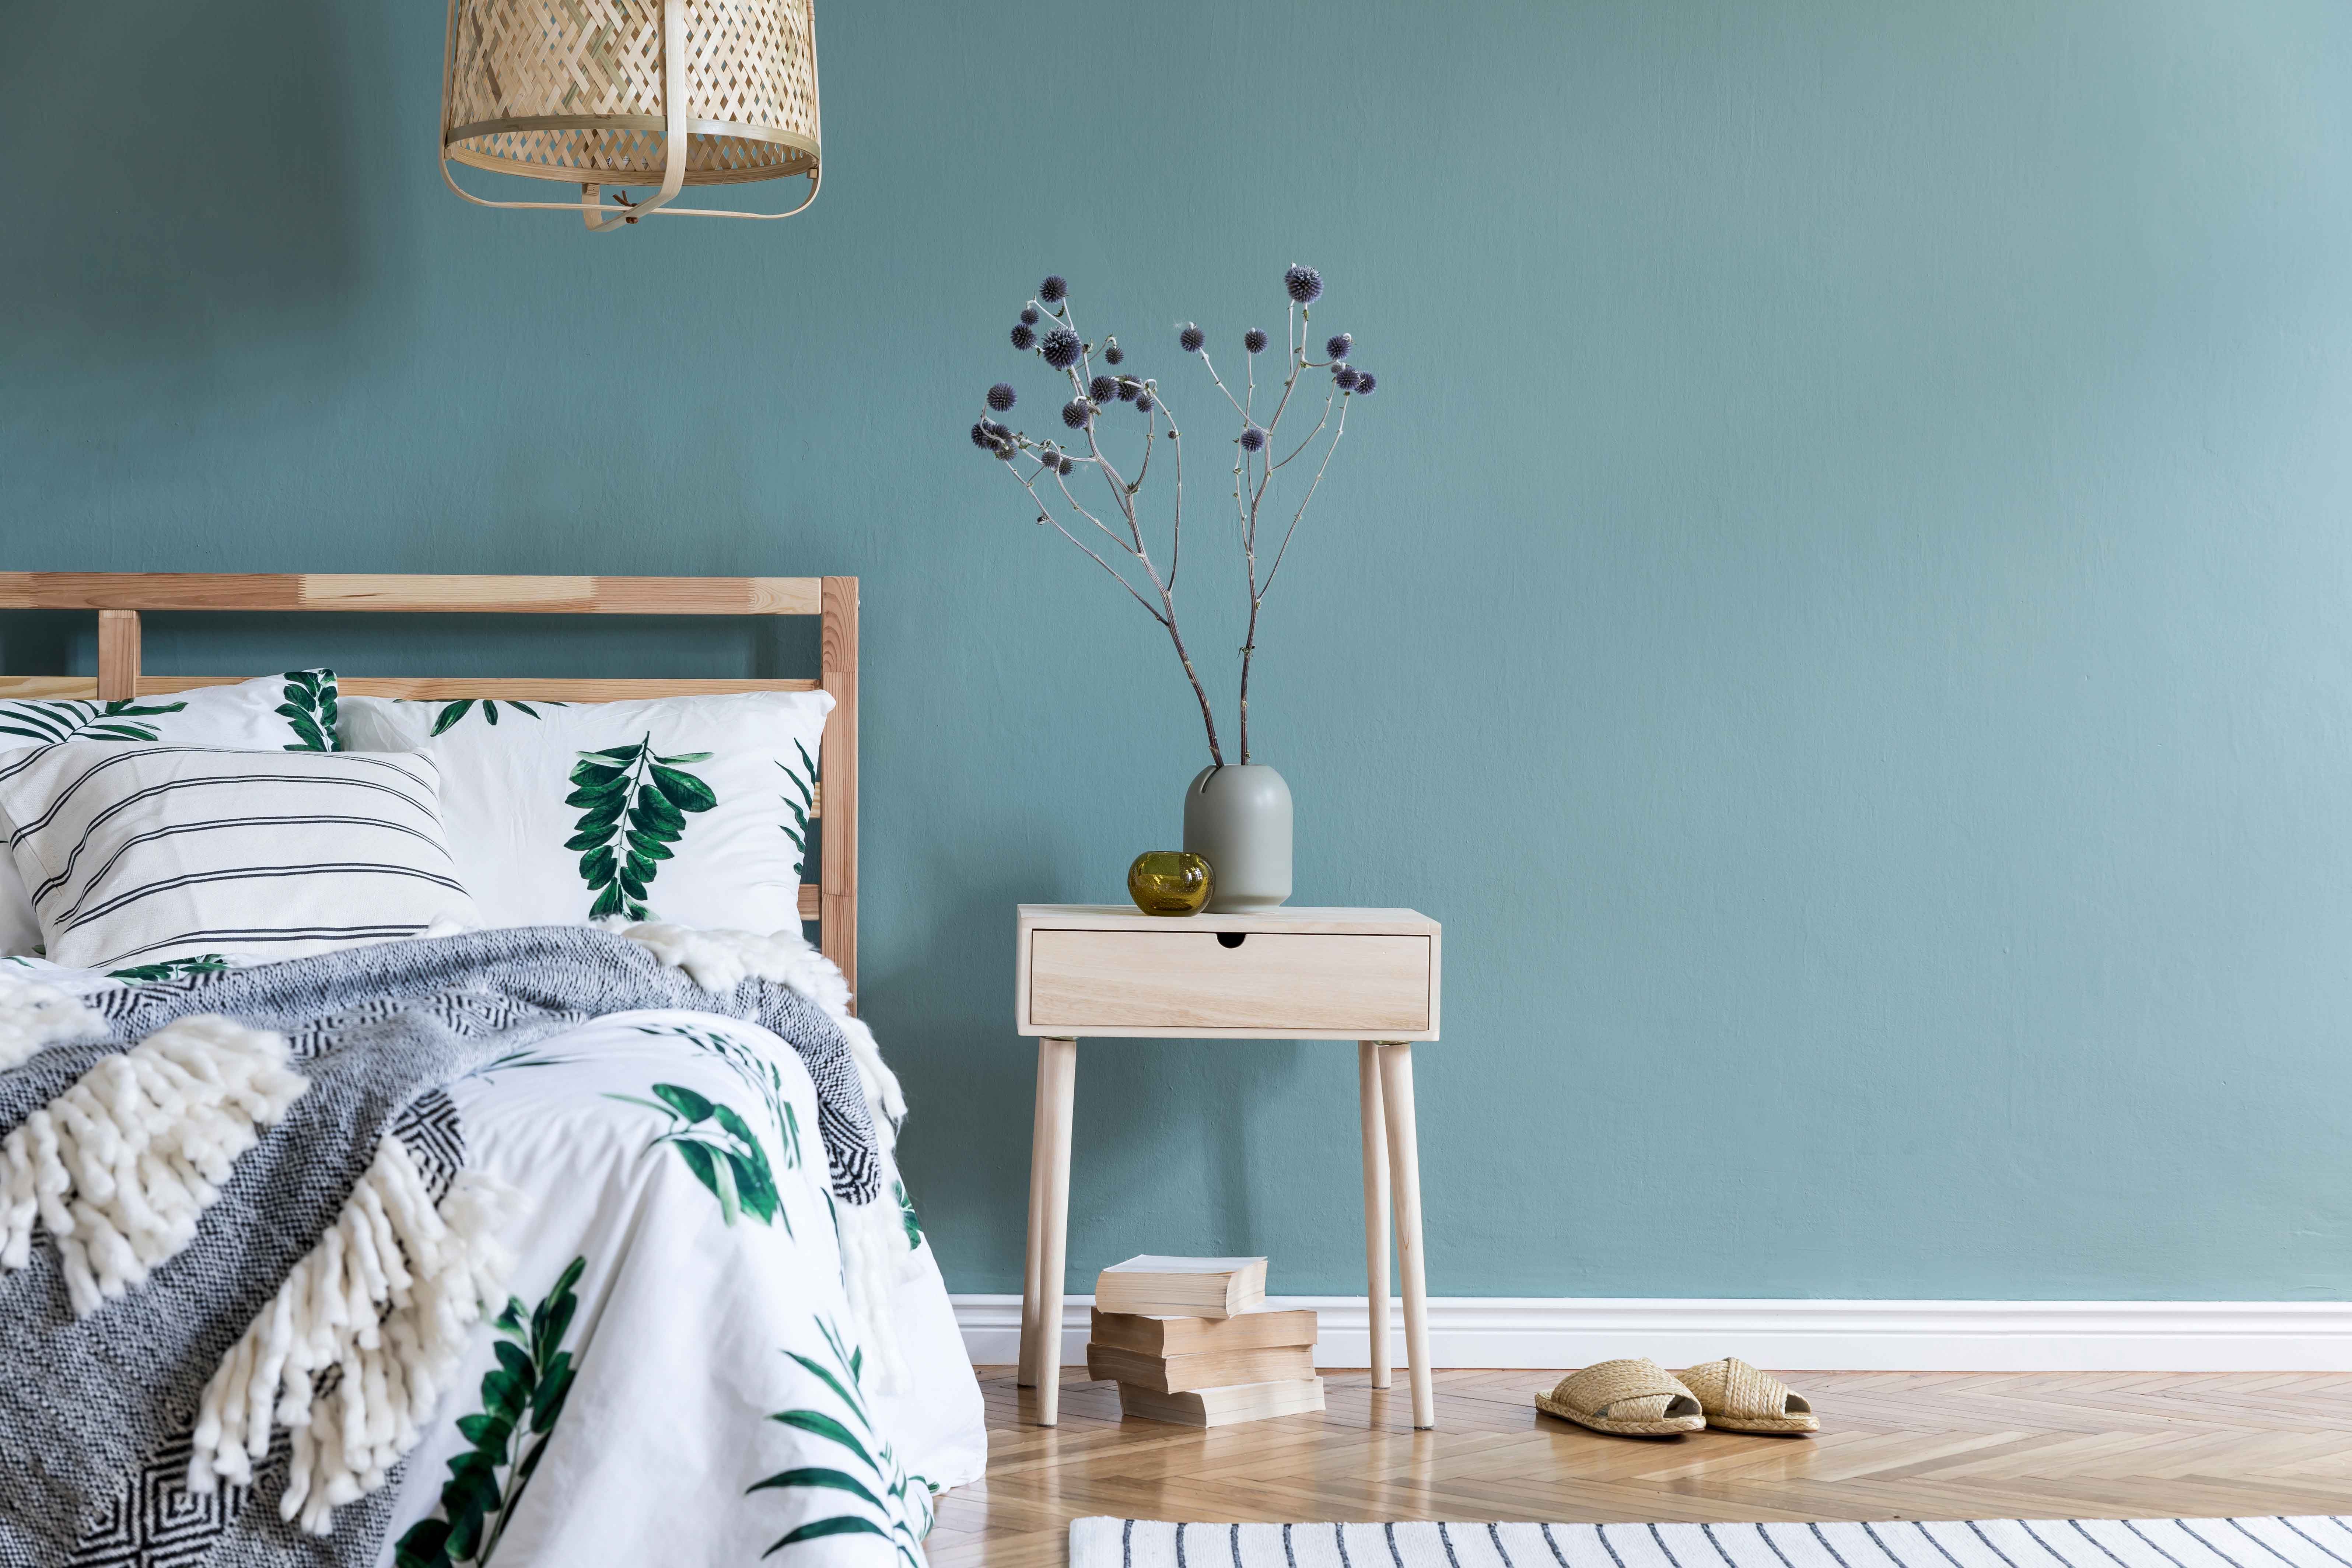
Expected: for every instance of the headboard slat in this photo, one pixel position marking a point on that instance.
(416, 593)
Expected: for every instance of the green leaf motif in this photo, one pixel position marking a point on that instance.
(532, 1376)
(524, 1056)
(818, 1369)
(52, 724)
(906, 1215)
(453, 712)
(685, 1101)
(724, 1155)
(199, 964)
(633, 804)
(897, 1506)
(804, 782)
(840, 1480)
(758, 1073)
(845, 1524)
(309, 710)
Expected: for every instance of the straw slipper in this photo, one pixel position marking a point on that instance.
(1739, 1398)
(1625, 1399)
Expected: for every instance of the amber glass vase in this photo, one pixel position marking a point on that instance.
(1169, 882)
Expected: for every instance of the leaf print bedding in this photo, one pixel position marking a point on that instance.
(715, 1406)
(670, 1369)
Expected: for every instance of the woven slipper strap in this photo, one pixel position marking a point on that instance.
(1626, 1390)
(1733, 1388)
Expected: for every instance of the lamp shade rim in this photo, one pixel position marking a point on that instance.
(804, 154)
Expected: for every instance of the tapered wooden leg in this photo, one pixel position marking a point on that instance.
(1033, 1272)
(1376, 1208)
(1404, 1178)
(1057, 1077)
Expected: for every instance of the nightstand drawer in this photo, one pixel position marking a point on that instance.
(1098, 981)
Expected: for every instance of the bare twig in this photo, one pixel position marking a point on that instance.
(1311, 434)
(1045, 514)
(1166, 589)
(1221, 385)
(1298, 362)
(1310, 496)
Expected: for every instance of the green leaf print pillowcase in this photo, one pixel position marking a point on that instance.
(295, 711)
(694, 810)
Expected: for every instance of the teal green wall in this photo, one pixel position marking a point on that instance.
(1842, 605)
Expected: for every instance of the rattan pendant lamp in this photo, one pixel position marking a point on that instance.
(613, 93)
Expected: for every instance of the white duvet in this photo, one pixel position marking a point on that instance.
(678, 1377)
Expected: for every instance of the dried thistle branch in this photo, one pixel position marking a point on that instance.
(1048, 327)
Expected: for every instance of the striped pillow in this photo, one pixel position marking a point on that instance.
(141, 853)
(295, 711)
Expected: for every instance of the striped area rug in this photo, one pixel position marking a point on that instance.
(2273, 1543)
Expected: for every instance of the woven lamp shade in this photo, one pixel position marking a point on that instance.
(593, 93)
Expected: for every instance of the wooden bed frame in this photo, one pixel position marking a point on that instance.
(119, 597)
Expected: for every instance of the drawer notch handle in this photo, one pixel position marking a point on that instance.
(1231, 938)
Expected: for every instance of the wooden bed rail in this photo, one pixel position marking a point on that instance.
(119, 597)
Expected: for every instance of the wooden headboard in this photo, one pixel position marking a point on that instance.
(119, 597)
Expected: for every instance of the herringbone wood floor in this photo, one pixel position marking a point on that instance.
(1893, 1445)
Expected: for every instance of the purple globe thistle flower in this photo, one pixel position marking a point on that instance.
(1077, 413)
(1254, 341)
(1303, 284)
(1061, 348)
(1337, 345)
(1253, 438)
(1001, 397)
(1129, 389)
(981, 438)
(1191, 340)
(1028, 315)
(1112, 353)
(995, 432)
(1022, 336)
(1347, 377)
(1364, 383)
(1053, 289)
(1103, 388)
(1143, 405)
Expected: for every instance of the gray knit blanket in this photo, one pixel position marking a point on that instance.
(96, 1412)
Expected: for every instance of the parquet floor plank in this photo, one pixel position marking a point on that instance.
(1894, 1446)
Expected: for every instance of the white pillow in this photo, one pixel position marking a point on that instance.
(293, 711)
(693, 810)
(142, 854)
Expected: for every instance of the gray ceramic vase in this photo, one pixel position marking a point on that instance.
(1237, 818)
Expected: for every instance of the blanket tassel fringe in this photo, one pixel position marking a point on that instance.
(362, 1339)
(121, 1166)
(34, 1016)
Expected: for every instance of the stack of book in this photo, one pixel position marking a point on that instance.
(1188, 1340)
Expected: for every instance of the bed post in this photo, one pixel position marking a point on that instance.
(837, 764)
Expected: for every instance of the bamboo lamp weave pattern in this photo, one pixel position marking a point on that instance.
(572, 90)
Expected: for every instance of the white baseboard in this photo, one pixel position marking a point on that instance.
(1794, 1335)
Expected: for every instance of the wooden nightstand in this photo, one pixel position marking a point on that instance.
(1367, 975)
